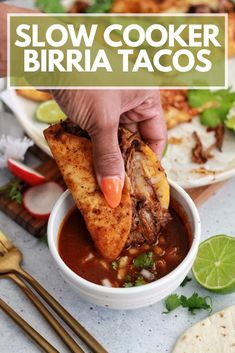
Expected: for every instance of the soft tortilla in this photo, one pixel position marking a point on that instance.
(216, 334)
(109, 228)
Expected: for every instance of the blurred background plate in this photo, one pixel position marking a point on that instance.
(24, 111)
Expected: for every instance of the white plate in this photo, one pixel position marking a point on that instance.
(177, 161)
(24, 110)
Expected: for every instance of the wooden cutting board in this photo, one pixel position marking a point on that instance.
(48, 168)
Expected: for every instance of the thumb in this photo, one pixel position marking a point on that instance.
(109, 164)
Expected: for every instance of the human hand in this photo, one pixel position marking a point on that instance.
(100, 112)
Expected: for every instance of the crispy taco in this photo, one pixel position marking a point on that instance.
(143, 210)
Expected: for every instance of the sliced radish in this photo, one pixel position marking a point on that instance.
(25, 173)
(39, 200)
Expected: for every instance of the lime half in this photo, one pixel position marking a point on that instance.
(214, 267)
(49, 112)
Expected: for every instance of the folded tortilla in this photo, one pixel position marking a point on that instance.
(215, 334)
(109, 228)
(143, 210)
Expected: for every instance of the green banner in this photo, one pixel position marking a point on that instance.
(117, 51)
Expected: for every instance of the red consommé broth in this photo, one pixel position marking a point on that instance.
(77, 250)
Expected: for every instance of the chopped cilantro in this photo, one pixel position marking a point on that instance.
(210, 117)
(195, 302)
(185, 281)
(13, 190)
(128, 278)
(172, 302)
(100, 6)
(127, 285)
(144, 260)
(197, 98)
(52, 6)
(115, 265)
(225, 95)
(224, 109)
(140, 281)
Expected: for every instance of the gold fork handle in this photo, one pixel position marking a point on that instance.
(41, 341)
(91, 342)
(68, 340)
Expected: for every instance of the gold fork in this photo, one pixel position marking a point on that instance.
(63, 334)
(10, 260)
(40, 340)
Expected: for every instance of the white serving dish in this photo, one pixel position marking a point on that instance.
(125, 298)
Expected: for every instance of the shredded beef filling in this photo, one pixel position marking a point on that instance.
(148, 216)
(219, 136)
(200, 154)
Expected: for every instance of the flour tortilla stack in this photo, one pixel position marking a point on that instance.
(216, 334)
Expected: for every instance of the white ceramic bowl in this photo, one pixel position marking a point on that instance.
(125, 298)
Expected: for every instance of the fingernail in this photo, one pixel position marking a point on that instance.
(112, 190)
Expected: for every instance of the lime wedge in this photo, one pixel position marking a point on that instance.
(49, 112)
(214, 267)
(230, 123)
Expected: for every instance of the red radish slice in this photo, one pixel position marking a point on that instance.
(25, 173)
(39, 200)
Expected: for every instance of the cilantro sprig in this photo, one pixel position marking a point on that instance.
(115, 265)
(140, 281)
(171, 303)
(219, 105)
(144, 260)
(100, 6)
(13, 191)
(52, 6)
(193, 303)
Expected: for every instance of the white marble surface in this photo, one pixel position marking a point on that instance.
(139, 331)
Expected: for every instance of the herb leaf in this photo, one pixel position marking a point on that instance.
(52, 6)
(144, 260)
(13, 190)
(140, 281)
(213, 116)
(210, 117)
(172, 302)
(127, 285)
(195, 302)
(185, 281)
(115, 265)
(100, 6)
(197, 98)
